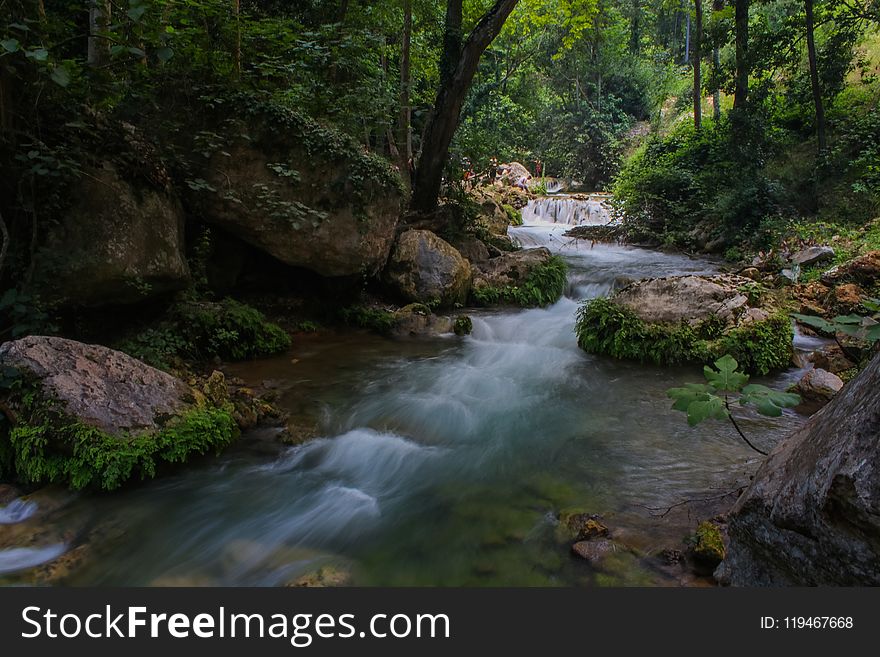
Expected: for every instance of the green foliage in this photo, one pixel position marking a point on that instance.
(707, 543)
(23, 314)
(543, 285)
(703, 401)
(198, 331)
(861, 327)
(513, 215)
(760, 347)
(374, 319)
(463, 325)
(603, 327)
(46, 446)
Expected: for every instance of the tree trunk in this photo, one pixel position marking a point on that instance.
(741, 29)
(4, 245)
(698, 54)
(814, 77)
(452, 36)
(445, 115)
(99, 22)
(405, 122)
(236, 55)
(687, 38)
(342, 12)
(717, 5)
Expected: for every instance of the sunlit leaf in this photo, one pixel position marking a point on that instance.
(726, 379)
(768, 401)
(60, 76)
(10, 45)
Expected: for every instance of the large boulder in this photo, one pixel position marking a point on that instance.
(811, 255)
(426, 269)
(300, 192)
(864, 270)
(819, 386)
(510, 268)
(689, 298)
(811, 516)
(686, 319)
(87, 415)
(118, 243)
(493, 217)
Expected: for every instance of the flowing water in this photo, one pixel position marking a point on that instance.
(443, 461)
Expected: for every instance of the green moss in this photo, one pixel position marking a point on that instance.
(198, 331)
(373, 319)
(544, 285)
(463, 325)
(608, 329)
(514, 215)
(47, 447)
(708, 544)
(759, 347)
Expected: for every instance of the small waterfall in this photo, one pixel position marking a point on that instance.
(567, 210)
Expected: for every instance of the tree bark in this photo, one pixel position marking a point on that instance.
(452, 35)
(698, 54)
(741, 30)
(445, 115)
(405, 122)
(814, 76)
(4, 245)
(99, 22)
(717, 5)
(236, 7)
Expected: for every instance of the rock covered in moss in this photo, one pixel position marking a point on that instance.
(299, 191)
(89, 416)
(707, 544)
(117, 243)
(687, 319)
(530, 277)
(424, 268)
(416, 319)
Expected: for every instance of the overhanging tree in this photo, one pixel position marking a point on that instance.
(459, 65)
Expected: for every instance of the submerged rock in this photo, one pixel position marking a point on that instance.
(417, 320)
(87, 415)
(594, 551)
(810, 516)
(426, 269)
(118, 243)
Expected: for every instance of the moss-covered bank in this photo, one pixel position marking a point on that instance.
(543, 285)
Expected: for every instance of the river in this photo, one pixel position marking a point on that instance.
(443, 461)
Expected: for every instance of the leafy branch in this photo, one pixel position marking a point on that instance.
(726, 385)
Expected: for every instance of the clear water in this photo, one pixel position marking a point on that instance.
(444, 461)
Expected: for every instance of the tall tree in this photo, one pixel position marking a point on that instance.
(455, 83)
(698, 55)
(814, 75)
(741, 36)
(717, 5)
(99, 24)
(405, 119)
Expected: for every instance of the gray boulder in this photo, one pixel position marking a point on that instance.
(811, 516)
(118, 243)
(426, 269)
(689, 298)
(818, 385)
(812, 255)
(510, 268)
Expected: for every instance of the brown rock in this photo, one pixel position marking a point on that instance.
(752, 273)
(426, 269)
(594, 551)
(510, 268)
(99, 386)
(847, 297)
(864, 270)
(817, 385)
(831, 359)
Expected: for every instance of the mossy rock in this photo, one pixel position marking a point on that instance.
(528, 278)
(86, 416)
(707, 544)
(760, 339)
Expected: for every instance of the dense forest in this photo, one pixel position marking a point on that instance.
(190, 186)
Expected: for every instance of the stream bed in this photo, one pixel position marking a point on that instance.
(442, 462)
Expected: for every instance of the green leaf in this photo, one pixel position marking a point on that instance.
(711, 407)
(60, 76)
(692, 392)
(135, 13)
(10, 45)
(164, 54)
(872, 304)
(816, 322)
(768, 401)
(137, 52)
(848, 319)
(726, 379)
(40, 54)
(873, 333)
